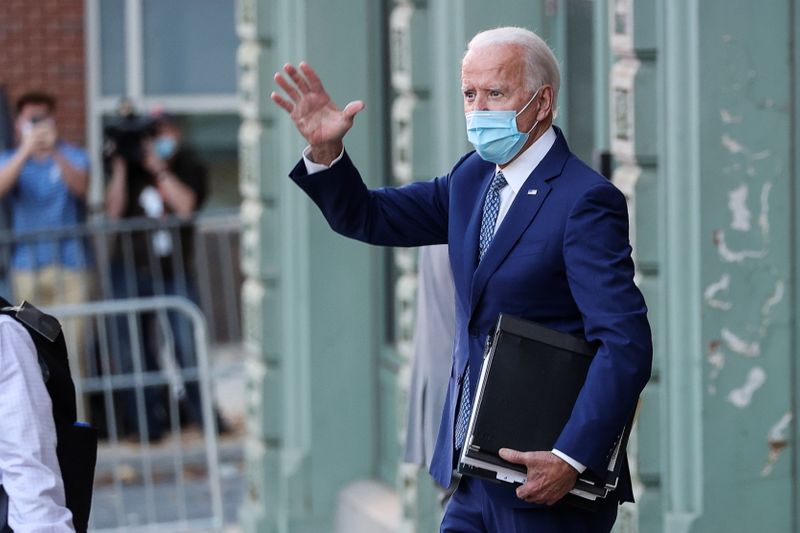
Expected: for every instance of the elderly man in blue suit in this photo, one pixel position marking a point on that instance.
(533, 232)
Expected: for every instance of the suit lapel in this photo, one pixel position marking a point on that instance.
(471, 236)
(520, 215)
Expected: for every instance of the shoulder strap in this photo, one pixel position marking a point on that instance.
(77, 444)
(51, 350)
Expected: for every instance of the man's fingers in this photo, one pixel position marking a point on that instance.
(512, 456)
(287, 87)
(528, 493)
(297, 78)
(314, 83)
(351, 109)
(532, 493)
(278, 99)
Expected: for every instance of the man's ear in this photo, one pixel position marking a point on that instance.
(545, 107)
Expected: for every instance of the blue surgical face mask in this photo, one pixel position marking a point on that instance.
(165, 146)
(494, 134)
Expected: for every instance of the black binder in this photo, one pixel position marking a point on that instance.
(529, 382)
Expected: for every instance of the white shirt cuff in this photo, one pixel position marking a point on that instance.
(312, 167)
(569, 460)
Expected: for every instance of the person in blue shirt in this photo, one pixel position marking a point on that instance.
(45, 181)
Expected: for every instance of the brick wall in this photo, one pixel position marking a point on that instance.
(41, 48)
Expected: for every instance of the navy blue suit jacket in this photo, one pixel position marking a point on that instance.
(561, 257)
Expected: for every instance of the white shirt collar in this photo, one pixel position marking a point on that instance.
(518, 171)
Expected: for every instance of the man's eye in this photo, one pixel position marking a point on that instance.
(469, 95)
(495, 94)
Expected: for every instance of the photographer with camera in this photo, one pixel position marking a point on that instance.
(154, 176)
(46, 180)
(149, 150)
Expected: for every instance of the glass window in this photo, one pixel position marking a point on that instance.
(215, 138)
(189, 47)
(112, 47)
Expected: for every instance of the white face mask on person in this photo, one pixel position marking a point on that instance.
(495, 135)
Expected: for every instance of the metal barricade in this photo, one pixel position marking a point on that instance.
(126, 293)
(136, 257)
(172, 485)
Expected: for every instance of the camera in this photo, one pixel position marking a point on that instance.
(125, 132)
(30, 124)
(124, 136)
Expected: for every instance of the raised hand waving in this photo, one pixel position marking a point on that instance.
(315, 115)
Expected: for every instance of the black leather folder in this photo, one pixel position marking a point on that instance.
(529, 382)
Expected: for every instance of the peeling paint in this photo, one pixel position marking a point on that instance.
(775, 298)
(732, 145)
(729, 118)
(742, 396)
(715, 288)
(729, 256)
(740, 346)
(737, 203)
(763, 218)
(777, 442)
(777, 432)
(716, 358)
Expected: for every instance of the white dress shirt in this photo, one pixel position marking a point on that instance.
(29, 471)
(515, 173)
(518, 171)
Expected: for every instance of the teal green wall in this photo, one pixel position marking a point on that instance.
(714, 125)
(794, 292)
(730, 261)
(745, 133)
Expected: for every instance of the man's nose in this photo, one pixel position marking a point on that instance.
(480, 102)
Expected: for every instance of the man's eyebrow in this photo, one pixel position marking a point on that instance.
(491, 87)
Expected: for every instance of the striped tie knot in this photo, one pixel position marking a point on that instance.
(491, 208)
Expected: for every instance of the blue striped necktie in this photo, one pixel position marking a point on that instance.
(491, 207)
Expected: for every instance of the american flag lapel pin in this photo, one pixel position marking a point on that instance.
(532, 192)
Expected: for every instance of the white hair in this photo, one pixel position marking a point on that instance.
(541, 66)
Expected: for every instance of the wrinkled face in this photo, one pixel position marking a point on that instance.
(493, 79)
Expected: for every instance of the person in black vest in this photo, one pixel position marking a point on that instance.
(31, 487)
(163, 180)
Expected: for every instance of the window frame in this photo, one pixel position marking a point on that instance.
(99, 105)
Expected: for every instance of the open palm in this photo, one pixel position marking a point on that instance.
(316, 117)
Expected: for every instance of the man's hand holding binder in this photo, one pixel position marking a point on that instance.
(549, 477)
(509, 432)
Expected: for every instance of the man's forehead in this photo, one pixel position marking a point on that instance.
(499, 61)
(34, 108)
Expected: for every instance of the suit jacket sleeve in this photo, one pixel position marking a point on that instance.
(600, 275)
(412, 215)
